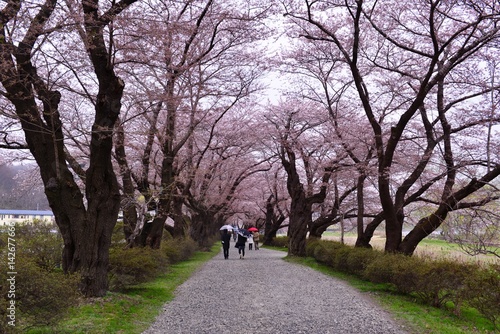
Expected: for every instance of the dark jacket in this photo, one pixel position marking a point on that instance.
(241, 241)
(225, 239)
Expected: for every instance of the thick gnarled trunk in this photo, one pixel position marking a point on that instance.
(300, 214)
(203, 227)
(180, 222)
(85, 224)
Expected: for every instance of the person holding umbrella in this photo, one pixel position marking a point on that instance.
(255, 232)
(234, 234)
(242, 239)
(225, 239)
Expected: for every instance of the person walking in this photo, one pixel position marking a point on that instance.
(240, 244)
(256, 237)
(225, 240)
(250, 242)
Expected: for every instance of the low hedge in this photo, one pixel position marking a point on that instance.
(34, 290)
(280, 242)
(434, 282)
(42, 293)
(482, 291)
(131, 266)
(178, 250)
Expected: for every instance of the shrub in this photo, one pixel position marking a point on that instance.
(482, 291)
(359, 258)
(41, 296)
(311, 246)
(321, 253)
(280, 242)
(42, 243)
(407, 272)
(441, 281)
(177, 250)
(340, 258)
(325, 252)
(42, 291)
(381, 269)
(134, 265)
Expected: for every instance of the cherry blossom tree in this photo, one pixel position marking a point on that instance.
(196, 67)
(417, 60)
(219, 186)
(33, 34)
(317, 69)
(309, 160)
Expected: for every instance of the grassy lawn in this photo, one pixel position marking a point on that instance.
(132, 311)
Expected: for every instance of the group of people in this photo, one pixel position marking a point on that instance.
(241, 239)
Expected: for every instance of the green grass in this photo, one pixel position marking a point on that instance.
(132, 311)
(416, 317)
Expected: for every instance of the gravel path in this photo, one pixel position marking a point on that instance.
(264, 294)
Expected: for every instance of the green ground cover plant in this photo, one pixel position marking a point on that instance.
(467, 293)
(134, 308)
(34, 291)
(415, 316)
(44, 294)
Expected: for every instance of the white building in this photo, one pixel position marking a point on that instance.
(9, 217)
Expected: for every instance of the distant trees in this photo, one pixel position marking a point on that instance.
(18, 192)
(475, 230)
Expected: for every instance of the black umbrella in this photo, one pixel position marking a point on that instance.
(243, 232)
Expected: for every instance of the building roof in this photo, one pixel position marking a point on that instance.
(26, 212)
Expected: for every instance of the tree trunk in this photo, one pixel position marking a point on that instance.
(86, 229)
(101, 188)
(164, 204)
(128, 203)
(269, 231)
(393, 228)
(316, 232)
(155, 232)
(180, 223)
(300, 213)
(203, 229)
(429, 224)
(272, 225)
(319, 226)
(423, 229)
(360, 226)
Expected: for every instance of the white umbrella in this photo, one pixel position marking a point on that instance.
(226, 227)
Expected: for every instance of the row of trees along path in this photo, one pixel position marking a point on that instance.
(185, 116)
